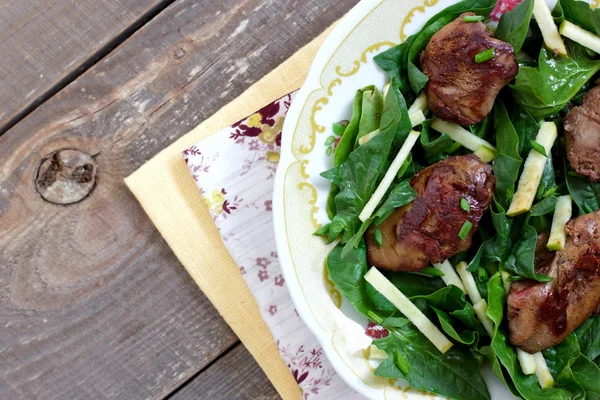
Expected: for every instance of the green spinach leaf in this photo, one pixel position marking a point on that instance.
(588, 336)
(413, 357)
(514, 25)
(547, 88)
(580, 13)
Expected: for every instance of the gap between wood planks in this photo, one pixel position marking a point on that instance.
(205, 368)
(89, 63)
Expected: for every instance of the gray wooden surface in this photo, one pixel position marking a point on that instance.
(93, 304)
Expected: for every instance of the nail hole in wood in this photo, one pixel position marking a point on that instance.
(66, 177)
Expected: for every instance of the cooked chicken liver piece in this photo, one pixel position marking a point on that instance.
(427, 229)
(459, 89)
(582, 136)
(541, 315)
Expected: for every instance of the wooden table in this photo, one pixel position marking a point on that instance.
(93, 304)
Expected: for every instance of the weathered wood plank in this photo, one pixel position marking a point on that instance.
(93, 304)
(234, 376)
(42, 42)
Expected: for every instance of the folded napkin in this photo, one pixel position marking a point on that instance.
(167, 192)
(235, 170)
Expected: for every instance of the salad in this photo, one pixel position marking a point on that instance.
(465, 203)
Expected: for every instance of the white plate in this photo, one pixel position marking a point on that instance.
(343, 65)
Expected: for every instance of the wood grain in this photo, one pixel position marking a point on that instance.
(92, 302)
(233, 376)
(43, 42)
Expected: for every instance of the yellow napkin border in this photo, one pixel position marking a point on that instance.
(167, 192)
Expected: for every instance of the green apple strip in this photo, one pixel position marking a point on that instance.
(532, 171)
(420, 104)
(543, 373)
(450, 276)
(580, 35)
(469, 282)
(481, 308)
(391, 173)
(528, 362)
(368, 137)
(410, 311)
(552, 38)
(562, 215)
(483, 149)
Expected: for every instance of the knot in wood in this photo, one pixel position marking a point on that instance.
(66, 177)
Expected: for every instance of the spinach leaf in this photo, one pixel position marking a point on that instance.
(414, 285)
(349, 277)
(513, 25)
(394, 62)
(588, 336)
(580, 13)
(455, 314)
(508, 161)
(413, 357)
(370, 118)
(346, 144)
(527, 385)
(364, 168)
(494, 249)
(547, 88)
(521, 261)
(586, 194)
(400, 196)
(587, 374)
(559, 360)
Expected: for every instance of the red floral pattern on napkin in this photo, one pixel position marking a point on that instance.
(235, 170)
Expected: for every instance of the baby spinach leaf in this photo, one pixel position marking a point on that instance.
(588, 336)
(370, 118)
(513, 25)
(349, 277)
(346, 144)
(414, 285)
(585, 194)
(547, 88)
(559, 360)
(508, 161)
(580, 13)
(587, 374)
(413, 357)
(521, 261)
(400, 196)
(394, 62)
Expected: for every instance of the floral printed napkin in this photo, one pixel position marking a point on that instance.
(234, 170)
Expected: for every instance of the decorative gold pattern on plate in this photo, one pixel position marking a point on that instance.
(337, 82)
(316, 128)
(411, 14)
(312, 202)
(363, 59)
